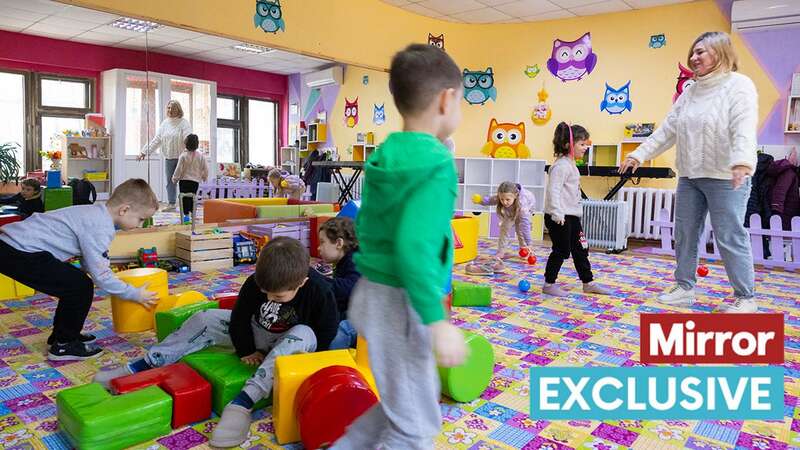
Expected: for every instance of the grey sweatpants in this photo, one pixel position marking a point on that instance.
(401, 356)
(210, 327)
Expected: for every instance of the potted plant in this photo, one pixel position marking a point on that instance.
(9, 168)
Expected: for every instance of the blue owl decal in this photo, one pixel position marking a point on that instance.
(615, 101)
(479, 86)
(269, 16)
(658, 41)
(379, 114)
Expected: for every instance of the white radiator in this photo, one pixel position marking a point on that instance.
(644, 206)
(605, 224)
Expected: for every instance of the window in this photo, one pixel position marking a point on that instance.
(229, 130)
(12, 112)
(143, 114)
(195, 100)
(61, 103)
(262, 131)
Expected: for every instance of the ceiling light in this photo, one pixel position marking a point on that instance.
(253, 49)
(139, 26)
(777, 6)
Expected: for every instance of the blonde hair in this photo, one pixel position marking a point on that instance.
(135, 192)
(177, 105)
(720, 45)
(507, 187)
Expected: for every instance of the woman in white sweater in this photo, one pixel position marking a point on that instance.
(713, 126)
(170, 138)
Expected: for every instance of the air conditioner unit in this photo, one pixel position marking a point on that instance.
(332, 75)
(749, 15)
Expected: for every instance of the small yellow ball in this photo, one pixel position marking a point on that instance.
(477, 198)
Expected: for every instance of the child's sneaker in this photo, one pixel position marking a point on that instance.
(479, 269)
(677, 296)
(324, 268)
(594, 288)
(741, 306)
(72, 351)
(232, 428)
(85, 338)
(554, 290)
(104, 377)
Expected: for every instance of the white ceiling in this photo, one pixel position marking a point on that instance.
(56, 20)
(518, 11)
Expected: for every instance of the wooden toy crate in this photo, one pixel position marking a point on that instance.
(205, 251)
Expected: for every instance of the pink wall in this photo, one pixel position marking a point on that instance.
(33, 53)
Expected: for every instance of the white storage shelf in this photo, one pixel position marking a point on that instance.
(75, 167)
(483, 176)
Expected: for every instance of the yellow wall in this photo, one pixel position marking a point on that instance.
(367, 32)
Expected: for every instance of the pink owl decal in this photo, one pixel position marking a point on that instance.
(685, 79)
(571, 61)
(351, 112)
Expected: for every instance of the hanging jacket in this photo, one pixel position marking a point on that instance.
(785, 196)
(758, 203)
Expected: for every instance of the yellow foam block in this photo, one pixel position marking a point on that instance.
(362, 361)
(178, 300)
(290, 372)
(483, 224)
(12, 289)
(537, 227)
(132, 317)
(261, 201)
(467, 229)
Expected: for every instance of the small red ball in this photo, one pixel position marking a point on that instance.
(702, 271)
(523, 252)
(532, 260)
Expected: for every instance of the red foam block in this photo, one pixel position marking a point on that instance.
(190, 392)
(226, 299)
(328, 401)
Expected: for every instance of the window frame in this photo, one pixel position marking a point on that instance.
(27, 119)
(238, 125)
(38, 111)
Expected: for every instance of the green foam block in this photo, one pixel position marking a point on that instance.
(470, 294)
(56, 198)
(169, 321)
(93, 419)
(467, 382)
(226, 373)
(274, 211)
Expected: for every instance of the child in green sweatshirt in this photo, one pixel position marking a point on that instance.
(406, 255)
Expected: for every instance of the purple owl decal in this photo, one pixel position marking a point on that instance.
(571, 61)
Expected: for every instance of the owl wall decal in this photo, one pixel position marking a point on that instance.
(532, 71)
(572, 60)
(479, 86)
(506, 140)
(379, 114)
(269, 16)
(436, 41)
(351, 112)
(658, 41)
(685, 79)
(615, 101)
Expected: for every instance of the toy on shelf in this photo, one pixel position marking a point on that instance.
(147, 257)
(244, 250)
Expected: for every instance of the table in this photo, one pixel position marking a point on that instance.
(345, 186)
(613, 171)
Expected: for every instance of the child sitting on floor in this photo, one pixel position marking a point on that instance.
(283, 308)
(337, 243)
(285, 184)
(29, 199)
(35, 253)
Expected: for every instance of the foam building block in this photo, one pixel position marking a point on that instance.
(290, 372)
(350, 209)
(226, 373)
(276, 211)
(53, 178)
(465, 231)
(226, 300)
(470, 294)
(191, 393)
(169, 321)
(132, 317)
(467, 382)
(55, 198)
(177, 300)
(13, 289)
(328, 402)
(9, 218)
(93, 419)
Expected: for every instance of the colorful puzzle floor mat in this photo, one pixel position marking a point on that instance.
(526, 330)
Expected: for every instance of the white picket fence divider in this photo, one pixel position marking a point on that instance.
(232, 188)
(784, 246)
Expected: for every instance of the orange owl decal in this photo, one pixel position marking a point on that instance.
(506, 140)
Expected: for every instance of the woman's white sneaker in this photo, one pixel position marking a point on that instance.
(677, 296)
